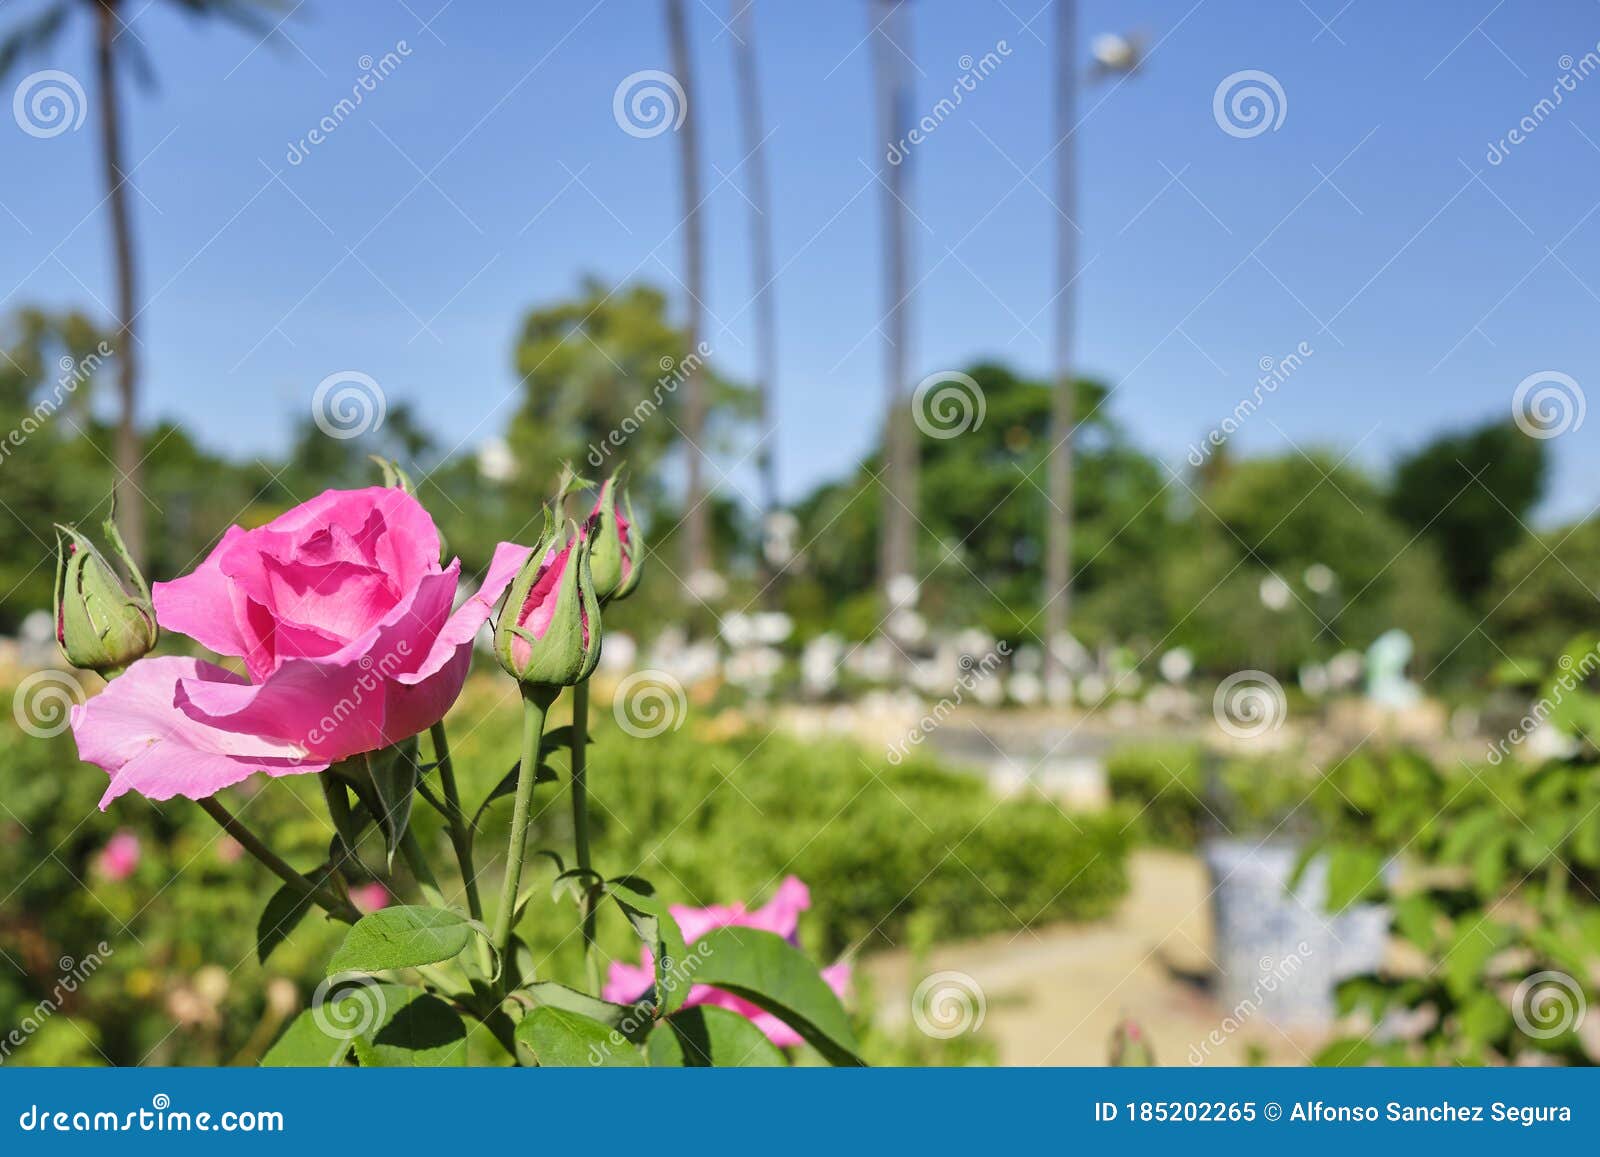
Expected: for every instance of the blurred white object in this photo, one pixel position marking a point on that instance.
(1275, 593)
(1314, 680)
(1345, 668)
(1115, 53)
(495, 460)
(707, 586)
(1074, 657)
(1026, 688)
(819, 663)
(902, 590)
(778, 535)
(1091, 689)
(1176, 665)
(1320, 579)
(617, 652)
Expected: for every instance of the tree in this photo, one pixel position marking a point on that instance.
(697, 546)
(37, 35)
(897, 546)
(766, 337)
(1469, 493)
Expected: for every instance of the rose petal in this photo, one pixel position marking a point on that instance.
(135, 730)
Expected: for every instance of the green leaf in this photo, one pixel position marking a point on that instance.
(393, 772)
(708, 1035)
(631, 1020)
(1483, 1019)
(415, 1029)
(1416, 918)
(560, 1038)
(764, 969)
(544, 773)
(306, 1045)
(402, 937)
(284, 911)
(1354, 873)
(655, 926)
(1348, 1051)
(559, 737)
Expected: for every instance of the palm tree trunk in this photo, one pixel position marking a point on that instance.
(130, 500)
(697, 542)
(1058, 550)
(896, 548)
(766, 328)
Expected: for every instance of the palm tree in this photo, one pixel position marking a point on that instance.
(744, 58)
(37, 35)
(896, 547)
(697, 557)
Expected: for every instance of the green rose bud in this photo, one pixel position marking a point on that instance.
(1130, 1048)
(617, 546)
(548, 634)
(101, 625)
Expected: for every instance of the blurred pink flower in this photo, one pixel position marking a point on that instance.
(229, 850)
(118, 859)
(780, 915)
(370, 897)
(342, 615)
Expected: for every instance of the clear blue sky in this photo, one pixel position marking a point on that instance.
(487, 174)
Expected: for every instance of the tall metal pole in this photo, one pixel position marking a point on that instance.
(1058, 549)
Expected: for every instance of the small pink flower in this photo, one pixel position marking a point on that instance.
(229, 850)
(780, 915)
(370, 897)
(118, 859)
(342, 615)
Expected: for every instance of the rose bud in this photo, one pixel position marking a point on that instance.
(548, 634)
(615, 557)
(1130, 1048)
(101, 625)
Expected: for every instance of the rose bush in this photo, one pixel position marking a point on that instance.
(355, 640)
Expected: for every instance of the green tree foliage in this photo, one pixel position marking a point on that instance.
(1470, 493)
(1545, 588)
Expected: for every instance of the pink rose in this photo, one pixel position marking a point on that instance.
(370, 897)
(780, 915)
(342, 615)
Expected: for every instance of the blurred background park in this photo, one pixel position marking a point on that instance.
(1115, 478)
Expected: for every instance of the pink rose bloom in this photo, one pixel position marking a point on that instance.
(118, 859)
(626, 983)
(370, 897)
(342, 615)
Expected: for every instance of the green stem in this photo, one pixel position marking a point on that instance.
(336, 907)
(535, 703)
(460, 834)
(580, 826)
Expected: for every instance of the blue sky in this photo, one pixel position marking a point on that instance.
(487, 174)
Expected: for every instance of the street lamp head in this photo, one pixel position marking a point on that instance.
(1116, 54)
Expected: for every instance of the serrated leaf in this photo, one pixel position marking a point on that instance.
(766, 970)
(404, 936)
(416, 1030)
(633, 1021)
(707, 1035)
(654, 925)
(561, 1038)
(285, 909)
(305, 1044)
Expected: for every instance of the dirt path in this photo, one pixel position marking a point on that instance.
(1053, 996)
